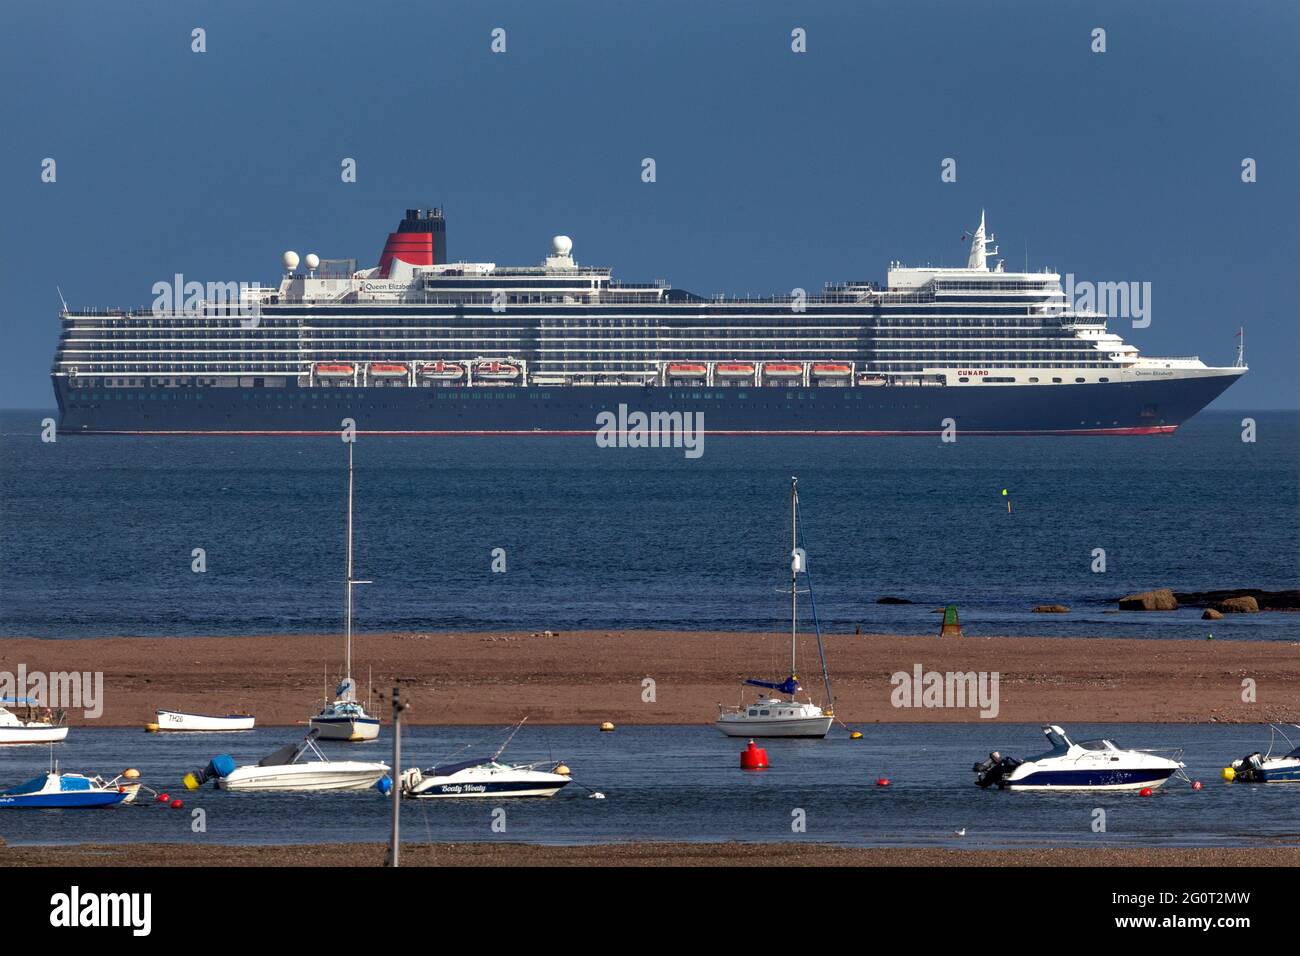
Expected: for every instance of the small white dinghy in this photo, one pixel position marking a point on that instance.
(27, 727)
(179, 721)
(286, 771)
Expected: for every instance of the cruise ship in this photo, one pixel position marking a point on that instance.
(419, 345)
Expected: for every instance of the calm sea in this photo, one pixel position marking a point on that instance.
(97, 534)
(683, 784)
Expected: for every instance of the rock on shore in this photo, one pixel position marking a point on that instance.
(1161, 599)
(1051, 609)
(1238, 605)
(1266, 600)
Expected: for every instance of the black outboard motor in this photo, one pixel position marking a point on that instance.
(1250, 769)
(995, 769)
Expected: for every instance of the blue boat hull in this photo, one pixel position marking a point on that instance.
(1090, 779)
(76, 799)
(1147, 407)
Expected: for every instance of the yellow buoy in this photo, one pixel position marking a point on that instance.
(1229, 774)
(131, 773)
(607, 726)
(151, 728)
(562, 770)
(191, 782)
(856, 735)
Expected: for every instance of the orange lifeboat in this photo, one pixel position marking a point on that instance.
(442, 371)
(783, 370)
(734, 370)
(334, 370)
(687, 370)
(388, 370)
(496, 371)
(832, 370)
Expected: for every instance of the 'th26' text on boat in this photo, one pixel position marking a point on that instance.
(1090, 765)
(286, 770)
(177, 721)
(422, 345)
(344, 718)
(772, 716)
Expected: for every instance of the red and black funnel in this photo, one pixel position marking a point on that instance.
(420, 240)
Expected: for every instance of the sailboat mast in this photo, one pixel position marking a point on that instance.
(794, 574)
(347, 673)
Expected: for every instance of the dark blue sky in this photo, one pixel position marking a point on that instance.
(775, 170)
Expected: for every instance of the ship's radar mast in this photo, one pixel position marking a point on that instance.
(981, 247)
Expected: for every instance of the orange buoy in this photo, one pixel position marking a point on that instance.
(1147, 791)
(753, 758)
(882, 782)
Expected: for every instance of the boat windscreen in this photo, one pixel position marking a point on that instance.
(285, 755)
(446, 770)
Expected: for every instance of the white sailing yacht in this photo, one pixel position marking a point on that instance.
(344, 718)
(785, 716)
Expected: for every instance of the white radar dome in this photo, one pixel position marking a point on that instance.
(290, 260)
(562, 245)
(312, 261)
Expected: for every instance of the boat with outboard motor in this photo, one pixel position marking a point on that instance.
(28, 726)
(1267, 768)
(54, 790)
(770, 715)
(1088, 765)
(487, 777)
(285, 770)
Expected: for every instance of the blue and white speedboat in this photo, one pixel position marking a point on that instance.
(487, 777)
(1267, 768)
(1090, 765)
(54, 790)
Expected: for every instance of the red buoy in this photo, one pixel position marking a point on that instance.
(176, 804)
(882, 782)
(1196, 785)
(1147, 791)
(163, 798)
(753, 758)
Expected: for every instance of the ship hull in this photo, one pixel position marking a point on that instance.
(1120, 408)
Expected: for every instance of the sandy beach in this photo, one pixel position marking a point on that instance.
(581, 677)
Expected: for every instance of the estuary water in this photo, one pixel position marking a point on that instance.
(683, 784)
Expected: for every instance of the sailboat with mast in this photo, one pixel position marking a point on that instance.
(344, 718)
(785, 716)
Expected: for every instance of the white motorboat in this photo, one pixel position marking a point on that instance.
(290, 769)
(178, 721)
(27, 726)
(486, 777)
(344, 718)
(1089, 765)
(770, 715)
(1266, 767)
